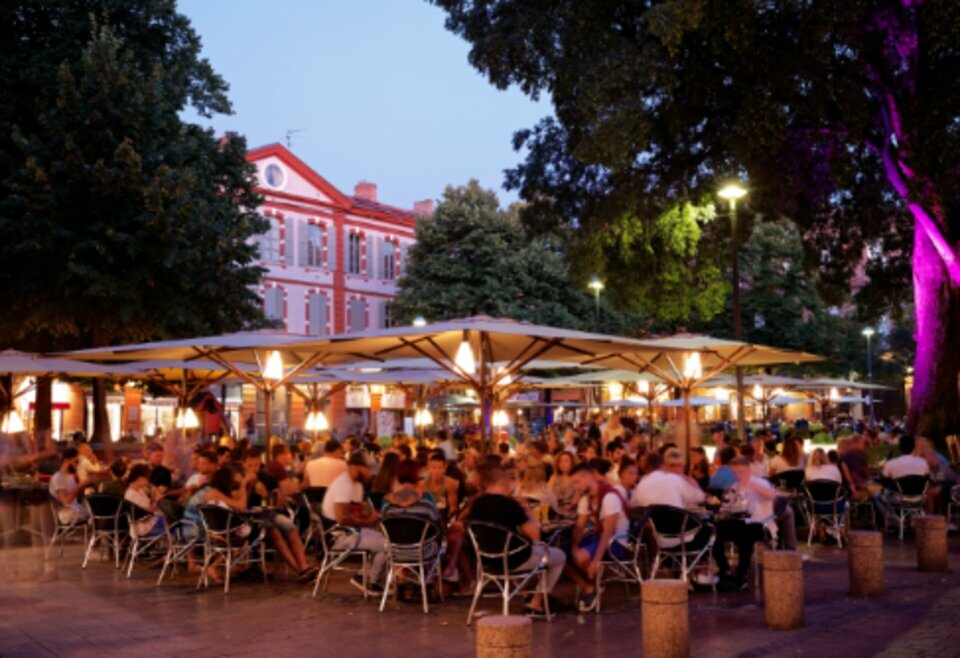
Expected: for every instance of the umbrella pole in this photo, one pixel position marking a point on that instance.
(267, 394)
(686, 419)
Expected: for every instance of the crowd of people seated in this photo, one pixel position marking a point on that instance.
(593, 481)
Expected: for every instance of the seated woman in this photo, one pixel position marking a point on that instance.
(534, 490)
(441, 486)
(820, 468)
(561, 485)
(224, 489)
(791, 459)
(138, 482)
(407, 496)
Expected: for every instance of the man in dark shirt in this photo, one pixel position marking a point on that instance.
(496, 505)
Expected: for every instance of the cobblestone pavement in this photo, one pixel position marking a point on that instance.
(59, 609)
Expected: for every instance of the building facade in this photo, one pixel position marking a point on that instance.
(332, 260)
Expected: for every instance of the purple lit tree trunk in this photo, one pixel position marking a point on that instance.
(935, 399)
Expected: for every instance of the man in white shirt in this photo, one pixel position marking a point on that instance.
(323, 471)
(66, 489)
(668, 486)
(206, 465)
(343, 502)
(602, 504)
(907, 463)
(759, 496)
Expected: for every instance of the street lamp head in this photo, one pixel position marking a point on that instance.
(595, 284)
(732, 192)
(419, 321)
(868, 332)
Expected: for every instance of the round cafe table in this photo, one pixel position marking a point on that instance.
(23, 492)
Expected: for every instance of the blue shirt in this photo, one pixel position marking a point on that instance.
(723, 478)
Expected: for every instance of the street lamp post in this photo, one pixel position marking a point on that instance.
(731, 194)
(596, 285)
(868, 333)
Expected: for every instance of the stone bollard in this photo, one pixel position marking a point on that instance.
(931, 543)
(508, 636)
(783, 589)
(666, 623)
(865, 563)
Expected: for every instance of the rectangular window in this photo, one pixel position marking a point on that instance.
(317, 304)
(269, 242)
(358, 321)
(389, 271)
(273, 303)
(386, 317)
(314, 247)
(353, 253)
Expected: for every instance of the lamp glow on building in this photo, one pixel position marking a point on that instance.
(757, 391)
(273, 369)
(465, 358)
(615, 390)
(419, 321)
(643, 387)
(12, 423)
(422, 417)
(558, 411)
(500, 419)
(186, 419)
(834, 394)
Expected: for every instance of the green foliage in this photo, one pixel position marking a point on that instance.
(823, 438)
(471, 257)
(118, 221)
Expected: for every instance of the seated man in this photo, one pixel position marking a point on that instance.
(607, 509)
(907, 463)
(759, 496)
(207, 463)
(723, 478)
(343, 503)
(321, 472)
(668, 485)
(66, 489)
(496, 505)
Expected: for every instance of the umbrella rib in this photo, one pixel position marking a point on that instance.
(459, 374)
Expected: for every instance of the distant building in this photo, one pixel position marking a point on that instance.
(332, 259)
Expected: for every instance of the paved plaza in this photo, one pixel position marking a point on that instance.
(58, 609)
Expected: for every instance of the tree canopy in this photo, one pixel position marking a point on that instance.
(841, 116)
(118, 220)
(472, 257)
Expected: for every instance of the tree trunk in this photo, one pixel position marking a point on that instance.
(43, 412)
(935, 397)
(101, 421)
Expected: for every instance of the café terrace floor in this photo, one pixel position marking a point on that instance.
(58, 609)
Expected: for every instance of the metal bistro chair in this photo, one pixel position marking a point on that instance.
(63, 531)
(496, 546)
(415, 548)
(826, 503)
(108, 525)
(629, 569)
(224, 537)
(313, 499)
(953, 507)
(328, 534)
(683, 539)
(789, 486)
(183, 536)
(140, 546)
(904, 499)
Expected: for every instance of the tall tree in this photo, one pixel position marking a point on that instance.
(842, 116)
(472, 257)
(118, 220)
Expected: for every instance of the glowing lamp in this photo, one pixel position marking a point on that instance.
(503, 377)
(500, 418)
(419, 321)
(868, 332)
(559, 410)
(596, 285)
(12, 423)
(758, 391)
(273, 370)
(834, 394)
(692, 367)
(465, 359)
(643, 387)
(186, 419)
(732, 192)
(316, 422)
(615, 389)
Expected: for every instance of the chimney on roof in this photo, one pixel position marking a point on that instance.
(423, 208)
(366, 191)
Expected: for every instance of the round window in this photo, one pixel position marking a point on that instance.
(273, 175)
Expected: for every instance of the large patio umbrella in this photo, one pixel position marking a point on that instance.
(235, 352)
(761, 388)
(828, 388)
(470, 349)
(690, 360)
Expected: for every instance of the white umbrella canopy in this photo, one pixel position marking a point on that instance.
(767, 381)
(239, 347)
(626, 404)
(694, 402)
(785, 400)
(23, 363)
(828, 383)
(849, 399)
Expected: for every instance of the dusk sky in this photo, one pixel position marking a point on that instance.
(379, 90)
